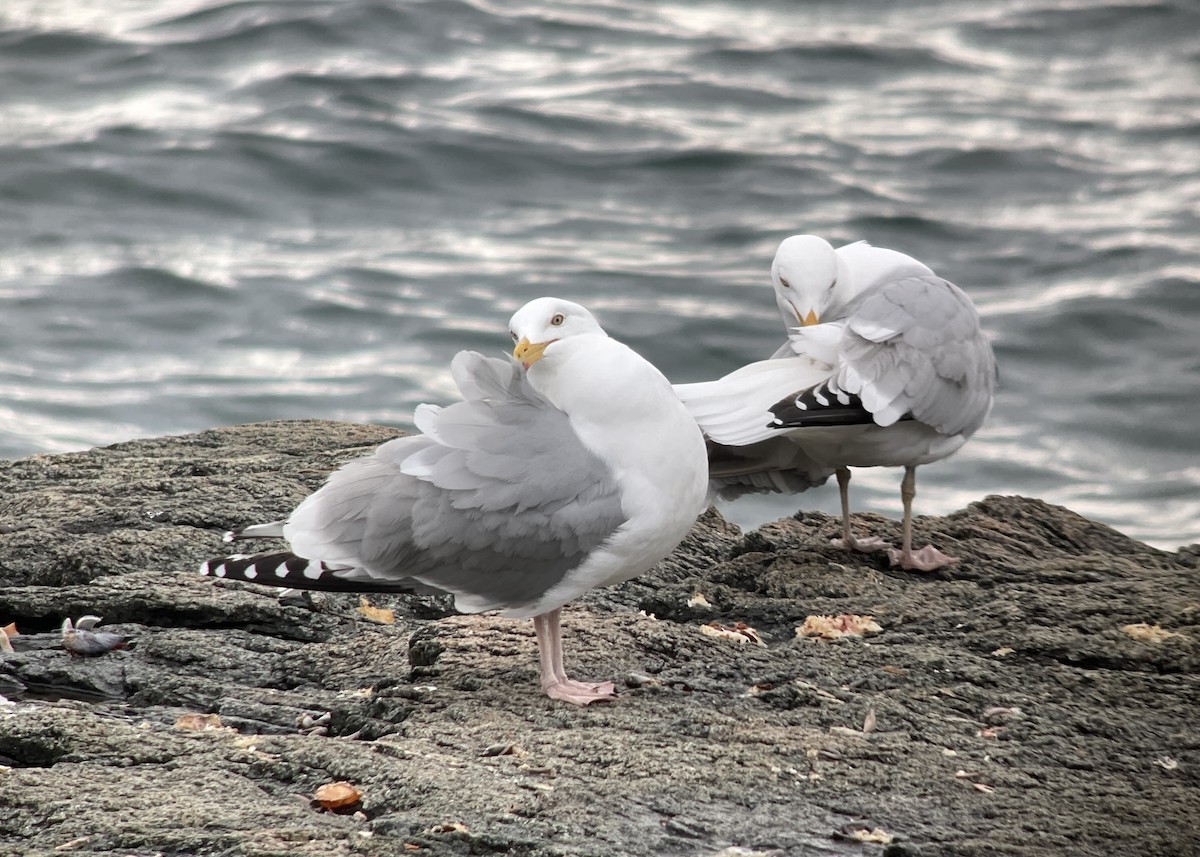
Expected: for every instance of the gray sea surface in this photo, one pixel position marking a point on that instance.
(223, 212)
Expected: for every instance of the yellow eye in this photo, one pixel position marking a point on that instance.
(784, 283)
(557, 320)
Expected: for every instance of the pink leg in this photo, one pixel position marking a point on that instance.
(867, 545)
(554, 677)
(927, 558)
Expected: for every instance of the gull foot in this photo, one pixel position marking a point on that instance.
(927, 558)
(870, 544)
(581, 692)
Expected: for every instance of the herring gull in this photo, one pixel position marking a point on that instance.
(885, 365)
(572, 467)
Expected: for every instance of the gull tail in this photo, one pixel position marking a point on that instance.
(736, 410)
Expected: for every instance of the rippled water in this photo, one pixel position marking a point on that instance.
(220, 212)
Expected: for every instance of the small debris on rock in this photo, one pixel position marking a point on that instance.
(864, 834)
(379, 615)
(739, 632)
(1146, 633)
(698, 600)
(72, 844)
(314, 723)
(339, 795)
(505, 749)
(685, 827)
(79, 639)
(1001, 713)
(979, 787)
(642, 680)
(6, 633)
(447, 827)
(198, 722)
(836, 627)
(846, 731)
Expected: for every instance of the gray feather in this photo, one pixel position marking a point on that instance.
(774, 466)
(498, 500)
(914, 345)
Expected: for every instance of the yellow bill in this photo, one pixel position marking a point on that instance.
(530, 352)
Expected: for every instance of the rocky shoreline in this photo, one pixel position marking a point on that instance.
(1019, 703)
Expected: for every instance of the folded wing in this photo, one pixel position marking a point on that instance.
(495, 501)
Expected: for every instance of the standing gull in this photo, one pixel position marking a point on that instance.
(885, 365)
(577, 468)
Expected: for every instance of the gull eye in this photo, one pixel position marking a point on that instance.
(833, 285)
(513, 335)
(784, 283)
(558, 319)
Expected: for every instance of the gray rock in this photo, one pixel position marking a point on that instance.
(716, 747)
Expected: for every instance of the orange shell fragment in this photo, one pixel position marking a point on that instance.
(379, 615)
(337, 795)
(198, 722)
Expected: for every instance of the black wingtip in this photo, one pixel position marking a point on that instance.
(819, 406)
(288, 571)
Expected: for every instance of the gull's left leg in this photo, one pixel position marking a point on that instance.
(554, 677)
(927, 558)
(848, 541)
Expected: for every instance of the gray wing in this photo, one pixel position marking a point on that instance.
(495, 502)
(914, 345)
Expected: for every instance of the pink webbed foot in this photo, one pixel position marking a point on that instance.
(581, 692)
(870, 544)
(554, 678)
(927, 558)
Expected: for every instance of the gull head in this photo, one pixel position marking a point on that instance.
(539, 324)
(805, 274)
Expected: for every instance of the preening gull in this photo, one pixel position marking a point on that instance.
(572, 467)
(885, 365)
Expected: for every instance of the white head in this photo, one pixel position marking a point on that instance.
(805, 274)
(539, 324)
